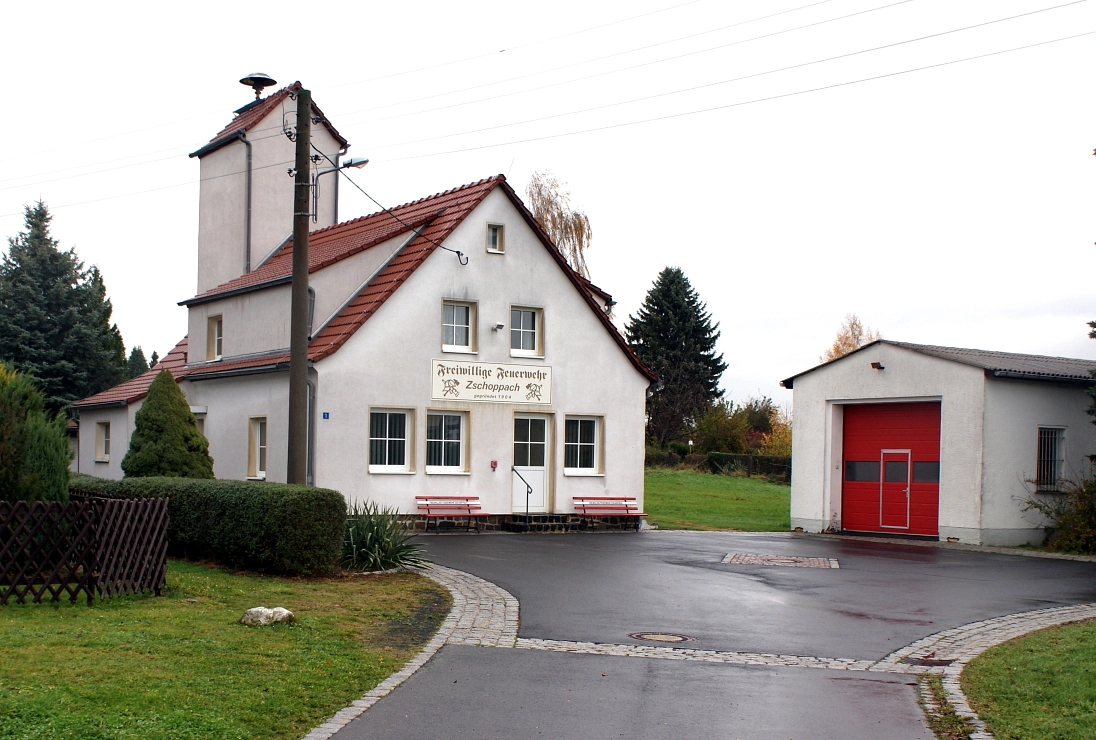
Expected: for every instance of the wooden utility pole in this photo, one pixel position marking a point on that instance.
(297, 469)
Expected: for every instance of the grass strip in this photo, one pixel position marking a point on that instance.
(181, 666)
(685, 499)
(941, 716)
(1038, 687)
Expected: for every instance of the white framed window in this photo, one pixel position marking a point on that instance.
(102, 441)
(1051, 459)
(446, 435)
(496, 241)
(582, 445)
(389, 441)
(458, 326)
(256, 448)
(526, 332)
(199, 421)
(214, 338)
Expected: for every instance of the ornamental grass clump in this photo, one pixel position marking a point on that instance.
(377, 539)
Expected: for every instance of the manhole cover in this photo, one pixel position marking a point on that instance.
(660, 637)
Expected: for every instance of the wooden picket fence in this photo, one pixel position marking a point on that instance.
(98, 546)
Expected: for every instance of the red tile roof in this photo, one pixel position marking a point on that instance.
(248, 116)
(328, 246)
(435, 217)
(137, 388)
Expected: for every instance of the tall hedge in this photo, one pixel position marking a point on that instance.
(34, 448)
(165, 439)
(269, 527)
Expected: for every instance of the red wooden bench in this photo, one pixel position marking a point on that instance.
(449, 507)
(601, 506)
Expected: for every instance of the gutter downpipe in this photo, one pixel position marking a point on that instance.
(242, 136)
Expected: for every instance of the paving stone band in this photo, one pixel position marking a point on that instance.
(487, 616)
(794, 561)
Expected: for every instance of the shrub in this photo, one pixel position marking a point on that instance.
(679, 448)
(1071, 517)
(271, 527)
(722, 428)
(34, 448)
(659, 458)
(166, 440)
(376, 539)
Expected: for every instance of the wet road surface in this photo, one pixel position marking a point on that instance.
(600, 588)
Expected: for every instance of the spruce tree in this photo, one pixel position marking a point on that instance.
(155, 359)
(165, 439)
(137, 364)
(55, 317)
(674, 335)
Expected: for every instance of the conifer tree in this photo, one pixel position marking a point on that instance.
(34, 447)
(154, 360)
(673, 334)
(165, 439)
(137, 364)
(55, 317)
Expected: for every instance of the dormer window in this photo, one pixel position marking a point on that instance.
(495, 242)
(214, 338)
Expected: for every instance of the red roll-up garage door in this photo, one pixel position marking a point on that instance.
(891, 468)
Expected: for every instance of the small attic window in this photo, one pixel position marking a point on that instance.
(496, 244)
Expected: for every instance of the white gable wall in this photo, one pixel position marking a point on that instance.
(907, 376)
(387, 364)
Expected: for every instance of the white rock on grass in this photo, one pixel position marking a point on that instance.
(260, 616)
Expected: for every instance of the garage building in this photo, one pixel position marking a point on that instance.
(937, 442)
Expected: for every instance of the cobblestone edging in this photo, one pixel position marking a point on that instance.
(963, 644)
(482, 614)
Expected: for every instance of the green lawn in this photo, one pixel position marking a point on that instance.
(682, 499)
(181, 666)
(1038, 687)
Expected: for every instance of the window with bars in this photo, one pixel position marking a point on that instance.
(457, 327)
(444, 443)
(1050, 465)
(580, 446)
(388, 441)
(524, 331)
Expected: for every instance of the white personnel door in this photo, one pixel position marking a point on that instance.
(530, 462)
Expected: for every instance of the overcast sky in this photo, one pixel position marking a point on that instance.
(952, 205)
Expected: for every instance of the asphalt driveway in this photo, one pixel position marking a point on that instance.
(600, 588)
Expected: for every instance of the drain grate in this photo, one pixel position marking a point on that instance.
(928, 662)
(661, 637)
(794, 561)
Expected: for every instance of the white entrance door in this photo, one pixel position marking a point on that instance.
(530, 464)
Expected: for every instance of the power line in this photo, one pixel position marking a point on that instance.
(611, 126)
(724, 82)
(632, 51)
(279, 127)
(394, 74)
(515, 48)
(460, 255)
(741, 103)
